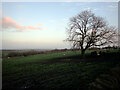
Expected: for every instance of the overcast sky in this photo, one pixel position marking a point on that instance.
(42, 25)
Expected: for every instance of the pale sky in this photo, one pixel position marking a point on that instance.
(42, 25)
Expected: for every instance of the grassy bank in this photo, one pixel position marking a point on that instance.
(55, 70)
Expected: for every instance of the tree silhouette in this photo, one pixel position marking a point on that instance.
(87, 30)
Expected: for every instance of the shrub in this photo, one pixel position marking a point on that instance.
(101, 53)
(28, 53)
(94, 54)
(14, 54)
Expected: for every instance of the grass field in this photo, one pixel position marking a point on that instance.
(56, 70)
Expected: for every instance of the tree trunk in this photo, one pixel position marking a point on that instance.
(83, 53)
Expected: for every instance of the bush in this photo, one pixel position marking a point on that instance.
(94, 54)
(16, 54)
(101, 53)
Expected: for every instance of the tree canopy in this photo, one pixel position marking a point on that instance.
(86, 30)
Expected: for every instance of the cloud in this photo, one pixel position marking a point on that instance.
(0, 12)
(88, 8)
(61, 24)
(33, 28)
(21, 19)
(65, 19)
(8, 23)
(20, 6)
(112, 6)
(91, 9)
(95, 9)
(40, 24)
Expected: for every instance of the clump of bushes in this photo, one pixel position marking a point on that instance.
(94, 54)
(16, 54)
(101, 53)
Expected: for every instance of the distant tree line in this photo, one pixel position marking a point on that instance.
(15, 53)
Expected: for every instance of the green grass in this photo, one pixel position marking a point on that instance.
(4, 54)
(33, 72)
(39, 58)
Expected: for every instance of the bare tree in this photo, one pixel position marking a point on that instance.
(86, 30)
